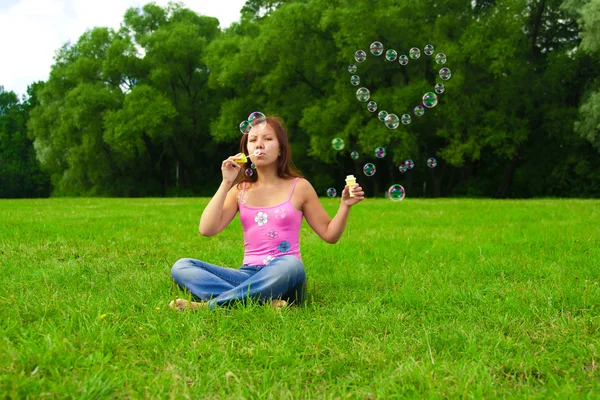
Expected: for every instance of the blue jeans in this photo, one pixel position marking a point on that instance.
(283, 278)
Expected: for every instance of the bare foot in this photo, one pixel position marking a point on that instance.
(278, 304)
(182, 304)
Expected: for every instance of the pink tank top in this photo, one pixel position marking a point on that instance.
(270, 232)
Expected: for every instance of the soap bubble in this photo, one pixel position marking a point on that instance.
(355, 80)
(391, 55)
(428, 50)
(382, 115)
(430, 100)
(439, 88)
(405, 119)
(414, 53)
(376, 48)
(352, 68)
(419, 111)
(245, 127)
(380, 151)
(431, 162)
(403, 59)
(402, 168)
(331, 192)
(445, 74)
(369, 169)
(440, 58)
(360, 56)
(372, 106)
(249, 172)
(337, 143)
(391, 121)
(409, 164)
(354, 155)
(396, 192)
(363, 95)
(257, 119)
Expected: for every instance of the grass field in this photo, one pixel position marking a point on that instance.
(419, 299)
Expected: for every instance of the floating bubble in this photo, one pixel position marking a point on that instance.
(402, 168)
(430, 100)
(245, 127)
(391, 121)
(355, 80)
(409, 164)
(249, 172)
(445, 74)
(396, 192)
(380, 151)
(331, 192)
(363, 95)
(382, 114)
(428, 50)
(391, 55)
(337, 143)
(440, 58)
(360, 56)
(403, 59)
(354, 155)
(369, 169)
(439, 88)
(372, 106)
(257, 119)
(405, 119)
(376, 48)
(352, 68)
(419, 111)
(431, 162)
(414, 53)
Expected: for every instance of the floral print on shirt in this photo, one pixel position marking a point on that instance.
(268, 259)
(272, 234)
(284, 246)
(261, 218)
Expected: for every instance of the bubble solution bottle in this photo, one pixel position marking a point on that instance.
(350, 181)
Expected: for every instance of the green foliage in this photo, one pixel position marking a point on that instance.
(153, 108)
(482, 299)
(20, 174)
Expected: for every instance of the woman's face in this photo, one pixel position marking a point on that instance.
(263, 145)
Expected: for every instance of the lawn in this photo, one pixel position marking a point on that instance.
(419, 299)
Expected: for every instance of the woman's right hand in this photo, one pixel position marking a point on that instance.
(230, 169)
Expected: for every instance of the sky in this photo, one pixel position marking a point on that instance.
(32, 30)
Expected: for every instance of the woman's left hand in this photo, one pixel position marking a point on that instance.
(357, 192)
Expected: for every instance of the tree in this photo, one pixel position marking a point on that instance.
(20, 174)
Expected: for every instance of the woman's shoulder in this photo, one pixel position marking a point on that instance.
(304, 186)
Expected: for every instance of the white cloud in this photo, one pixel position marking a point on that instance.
(32, 30)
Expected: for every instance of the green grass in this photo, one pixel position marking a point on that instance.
(423, 299)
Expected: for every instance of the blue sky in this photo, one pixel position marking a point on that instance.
(32, 30)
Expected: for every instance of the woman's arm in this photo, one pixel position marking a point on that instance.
(223, 206)
(220, 210)
(327, 228)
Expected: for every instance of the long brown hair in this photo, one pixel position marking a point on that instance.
(285, 165)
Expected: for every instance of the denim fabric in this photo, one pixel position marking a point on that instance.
(283, 278)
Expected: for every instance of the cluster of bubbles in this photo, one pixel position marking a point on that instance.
(379, 152)
(429, 100)
(392, 121)
(395, 192)
(254, 119)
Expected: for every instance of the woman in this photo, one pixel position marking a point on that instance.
(271, 203)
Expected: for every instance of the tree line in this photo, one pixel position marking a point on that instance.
(153, 108)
